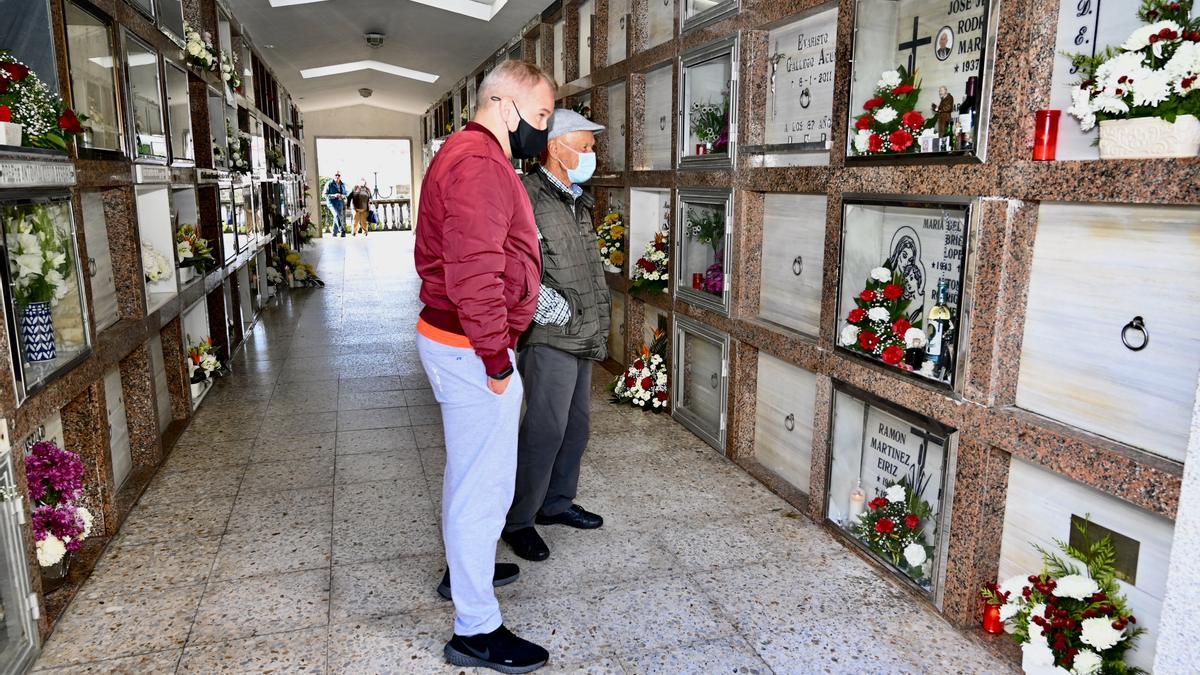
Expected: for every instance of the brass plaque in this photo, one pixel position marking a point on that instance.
(1126, 548)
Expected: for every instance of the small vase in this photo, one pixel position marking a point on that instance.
(197, 389)
(37, 332)
(54, 576)
(185, 275)
(612, 268)
(1149, 137)
(10, 133)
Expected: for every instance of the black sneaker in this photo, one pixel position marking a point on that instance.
(499, 650)
(505, 574)
(527, 544)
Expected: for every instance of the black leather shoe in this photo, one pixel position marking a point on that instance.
(499, 650)
(505, 574)
(527, 544)
(576, 517)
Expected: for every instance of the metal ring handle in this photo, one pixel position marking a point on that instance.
(622, 130)
(662, 123)
(714, 380)
(92, 268)
(789, 422)
(666, 3)
(798, 265)
(1138, 324)
(621, 23)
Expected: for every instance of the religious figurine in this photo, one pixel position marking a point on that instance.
(943, 111)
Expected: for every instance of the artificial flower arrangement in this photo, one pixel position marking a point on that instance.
(707, 226)
(644, 383)
(198, 49)
(155, 266)
(1154, 73)
(46, 122)
(274, 278)
(891, 122)
(202, 360)
(710, 124)
(610, 236)
(60, 524)
(39, 254)
(229, 71)
(239, 148)
(192, 249)
(299, 272)
(1069, 618)
(650, 272)
(275, 158)
(893, 525)
(878, 326)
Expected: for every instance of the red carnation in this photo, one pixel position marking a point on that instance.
(884, 526)
(662, 396)
(863, 122)
(877, 503)
(873, 103)
(15, 71)
(867, 295)
(647, 383)
(913, 120)
(875, 143)
(893, 291)
(901, 140)
(856, 315)
(911, 521)
(639, 364)
(629, 381)
(893, 354)
(69, 122)
(900, 327)
(902, 90)
(5, 113)
(868, 340)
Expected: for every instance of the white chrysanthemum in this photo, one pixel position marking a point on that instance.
(1099, 633)
(194, 48)
(86, 517)
(1086, 662)
(1184, 61)
(914, 338)
(882, 274)
(1083, 109)
(862, 140)
(1140, 38)
(914, 555)
(889, 79)
(1127, 65)
(1008, 610)
(886, 115)
(878, 314)
(849, 336)
(50, 551)
(661, 379)
(926, 369)
(1013, 584)
(1035, 656)
(1076, 586)
(1110, 104)
(1152, 89)
(895, 494)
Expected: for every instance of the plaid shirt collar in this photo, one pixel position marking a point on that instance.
(574, 191)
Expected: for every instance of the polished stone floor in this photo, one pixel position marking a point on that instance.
(295, 529)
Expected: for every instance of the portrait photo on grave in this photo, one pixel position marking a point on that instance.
(921, 78)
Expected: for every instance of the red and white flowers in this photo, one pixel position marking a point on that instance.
(650, 271)
(1154, 73)
(893, 527)
(879, 324)
(890, 123)
(644, 383)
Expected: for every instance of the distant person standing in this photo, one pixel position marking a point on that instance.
(335, 195)
(360, 199)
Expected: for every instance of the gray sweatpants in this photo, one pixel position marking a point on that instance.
(554, 433)
(481, 460)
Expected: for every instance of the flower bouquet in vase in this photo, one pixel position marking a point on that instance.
(60, 524)
(650, 272)
(203, 364)
(891, 122)
(707, 226)
(710, 125)
(39, 255)
(31, 113)
(893, 527)
(1145, 94)
(192, 250)
(1070, 617)
(198, 49)
(610, 236)
(155, 266)
(644, 383)
(879, 325)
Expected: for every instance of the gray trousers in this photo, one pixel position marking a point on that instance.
(553, 435)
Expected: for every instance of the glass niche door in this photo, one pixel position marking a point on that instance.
(701, 379)
(18, 630)
(180, 113)
(145, 100)
(708, 106)
(702, 255)
(43, 293)
(93, 78)
(921, 78)
(697, 13)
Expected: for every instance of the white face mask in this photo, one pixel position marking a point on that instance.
(583, 171)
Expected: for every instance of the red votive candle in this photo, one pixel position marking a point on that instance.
(1045, 134)
(991, 613)
(697, 280)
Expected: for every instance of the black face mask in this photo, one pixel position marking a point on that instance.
(526, 142)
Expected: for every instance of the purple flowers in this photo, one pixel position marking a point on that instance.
(714, 278)
(55, 475)
(64, 522)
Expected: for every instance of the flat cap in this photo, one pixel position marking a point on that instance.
(565, 121)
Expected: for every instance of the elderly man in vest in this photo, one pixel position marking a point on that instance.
(569, 334)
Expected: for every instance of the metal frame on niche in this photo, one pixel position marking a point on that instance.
(970, 227)
(684, 324)
(986, 74)
(719, 11)
(708, 197)
(949, 437)
(709, 52)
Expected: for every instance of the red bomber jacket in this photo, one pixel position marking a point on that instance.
(477, 247)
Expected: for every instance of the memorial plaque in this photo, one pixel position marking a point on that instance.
(618, 30)
(793, 251)
(660, 26)
(586, 10)
(657, 127)
(615, 133)
(800, 78)
(783, 421)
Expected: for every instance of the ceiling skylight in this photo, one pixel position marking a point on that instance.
(482, 10)
(354, 66)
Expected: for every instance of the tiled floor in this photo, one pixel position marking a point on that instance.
(295, 529)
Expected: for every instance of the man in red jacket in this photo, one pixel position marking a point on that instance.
(480, 263)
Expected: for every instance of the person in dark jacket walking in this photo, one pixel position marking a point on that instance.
(569, 334)
(477, 255)
(360, 199)
(335, 194)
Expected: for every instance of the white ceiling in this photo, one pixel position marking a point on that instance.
(419, 37)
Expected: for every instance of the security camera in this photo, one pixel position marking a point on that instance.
(374, 40)
(365, 92)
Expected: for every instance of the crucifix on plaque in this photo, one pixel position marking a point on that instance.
(912, 45)
(775, 59)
